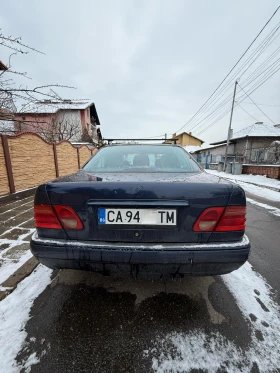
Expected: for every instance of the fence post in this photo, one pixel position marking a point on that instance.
(91, 151)
(78, 155)
(8, 163)
(55, 160)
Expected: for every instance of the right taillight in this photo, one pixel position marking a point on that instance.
(221, 219)
(233, 219)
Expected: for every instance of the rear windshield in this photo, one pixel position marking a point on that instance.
(142, 158)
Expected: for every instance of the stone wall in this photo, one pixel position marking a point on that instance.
(67, 158)
(85, 153)
(32, 161)
(27, 161)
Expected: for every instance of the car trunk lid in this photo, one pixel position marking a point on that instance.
(188, 194)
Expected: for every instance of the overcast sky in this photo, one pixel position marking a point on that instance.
(147, 65)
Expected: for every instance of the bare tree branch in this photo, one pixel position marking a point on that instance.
(5, 40)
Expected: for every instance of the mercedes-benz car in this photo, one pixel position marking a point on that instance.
(141, 210)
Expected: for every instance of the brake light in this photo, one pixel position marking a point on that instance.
(220, 219)
(45, 217)
(208, 219)
(68, 218)
(233, 219)
(56, 217)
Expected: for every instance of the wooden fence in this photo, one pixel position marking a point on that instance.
(27, 160)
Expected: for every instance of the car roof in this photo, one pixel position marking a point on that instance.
(143, 145)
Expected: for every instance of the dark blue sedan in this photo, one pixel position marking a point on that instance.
(141, 210)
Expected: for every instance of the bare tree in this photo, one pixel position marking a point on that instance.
(85, 137)
(12, 94)
(64, 126)
(274, 152)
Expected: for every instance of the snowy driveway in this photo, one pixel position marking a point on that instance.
(83, 322)
(16, 229)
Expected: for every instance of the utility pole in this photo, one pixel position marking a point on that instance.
(229, 128)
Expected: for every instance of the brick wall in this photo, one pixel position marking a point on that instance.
(31, 161)
(269, 171)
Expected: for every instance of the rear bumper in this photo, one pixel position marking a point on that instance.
(137, 260)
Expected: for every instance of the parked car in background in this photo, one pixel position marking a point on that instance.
(141, 210)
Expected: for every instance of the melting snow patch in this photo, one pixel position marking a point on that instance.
(271, 209)
(14, 314)
(32, 360)
(198, 351)
(254, 184)
(212, 353)
(10, 266)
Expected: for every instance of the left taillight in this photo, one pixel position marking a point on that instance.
(45, 217)
(56, 217)
(69, 219)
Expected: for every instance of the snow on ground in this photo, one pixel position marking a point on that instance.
(14, 314)
(16, 230)
(271, 209)
(9, 266)
(14, 255)
(178, 352)
(247, 181)
(260, 180)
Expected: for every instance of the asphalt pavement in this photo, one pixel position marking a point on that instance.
(84, 322)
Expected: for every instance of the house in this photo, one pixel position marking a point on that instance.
(59, 120)
(186, 139)
(3, 67)
(251, 145)
(213, 154)
(7, 108)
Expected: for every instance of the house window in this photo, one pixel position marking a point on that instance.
(23, 118)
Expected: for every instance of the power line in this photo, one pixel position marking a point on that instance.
(262, 47)
(270, 67)
(247, 112)
(230, 70)
(228, 110)
(259, 83)
(215, 121)
(257, 105)
(254, 88)
(250, 103)
(252, 80)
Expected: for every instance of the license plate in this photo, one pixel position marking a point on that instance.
(137, 216)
